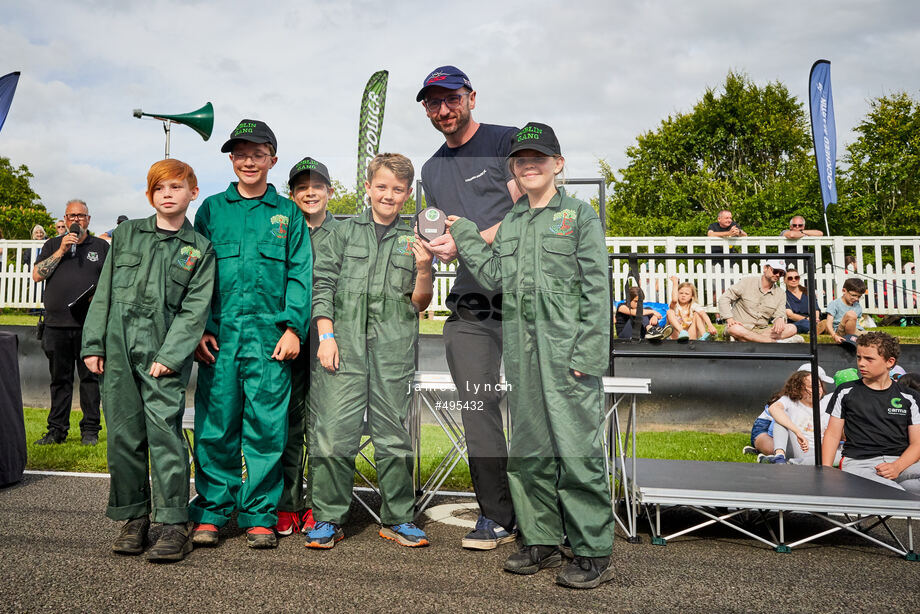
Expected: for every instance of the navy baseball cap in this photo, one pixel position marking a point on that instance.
(251, 130)
(448, 77)
(309, 165)
(538, 137)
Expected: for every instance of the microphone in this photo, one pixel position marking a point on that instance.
(76, 230)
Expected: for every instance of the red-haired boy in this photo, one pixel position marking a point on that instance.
(144, 322)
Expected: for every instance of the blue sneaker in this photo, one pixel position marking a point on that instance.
(779, 459)
(487, 535)
(324, 535)
(405, 534)
(705, 337)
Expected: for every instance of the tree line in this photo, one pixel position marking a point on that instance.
(748, 148)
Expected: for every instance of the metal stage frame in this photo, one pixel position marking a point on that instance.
(725, 492)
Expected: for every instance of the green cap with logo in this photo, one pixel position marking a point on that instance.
(309, 165)
(251, 130)
(535, 136)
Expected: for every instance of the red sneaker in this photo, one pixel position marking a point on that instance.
(261, 538)
(288, 522)
(204, 534)
(307, 521)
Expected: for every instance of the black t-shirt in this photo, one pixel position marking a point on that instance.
(381, 229)
(876, 421)
(72, 277)
(716, 227)
(471, 181)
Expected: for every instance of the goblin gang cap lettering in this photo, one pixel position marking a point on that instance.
(251, 130)
(448, 77)
(538, 137)
(308, 165)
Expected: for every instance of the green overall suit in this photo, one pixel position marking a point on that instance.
(150, 305)
(551, 265)
(365, 288)
(294, 497)
(263, 286)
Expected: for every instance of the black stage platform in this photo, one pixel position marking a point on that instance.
(723, 491)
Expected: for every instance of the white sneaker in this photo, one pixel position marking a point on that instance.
(793, 339)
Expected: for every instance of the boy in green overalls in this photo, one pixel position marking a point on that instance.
(310, 190)
(145, 318)
(259, 316)
(372, 279)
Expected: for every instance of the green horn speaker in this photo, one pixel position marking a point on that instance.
(201, 121)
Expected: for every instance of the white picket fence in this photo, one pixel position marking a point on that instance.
(892, 287)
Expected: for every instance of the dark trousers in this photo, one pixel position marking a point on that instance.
(62, 347)
(474, 352)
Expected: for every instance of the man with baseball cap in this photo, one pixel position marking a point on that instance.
(467, 176)
(754, 309)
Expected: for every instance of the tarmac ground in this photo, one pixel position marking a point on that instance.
(55, 557)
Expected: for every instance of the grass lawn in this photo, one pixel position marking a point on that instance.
(683, 445)
(17, 319)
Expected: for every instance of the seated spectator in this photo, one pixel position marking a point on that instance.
(843, 313)
(797, 304)
(650, 318)
(754, 309)
(794, 415)
(60, 227)
(686, 317)
(879, 417)
(763, 432)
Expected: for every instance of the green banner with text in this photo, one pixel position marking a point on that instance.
(370, 126)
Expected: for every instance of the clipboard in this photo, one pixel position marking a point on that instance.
(79, 307)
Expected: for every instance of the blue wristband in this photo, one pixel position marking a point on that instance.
(325, 336)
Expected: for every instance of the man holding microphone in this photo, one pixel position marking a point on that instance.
(70, 265)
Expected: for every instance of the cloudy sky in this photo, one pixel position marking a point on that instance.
(599, 72)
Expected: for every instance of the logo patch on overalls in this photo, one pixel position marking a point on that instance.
(191, 257)
(279, 226)
(562, 222)
(92, 256)
(404, 245)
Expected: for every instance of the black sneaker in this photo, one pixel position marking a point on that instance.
(52, 436)
(89, 439)
(133, 536)
(586, 572)
(172, 545)
(531, 559)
